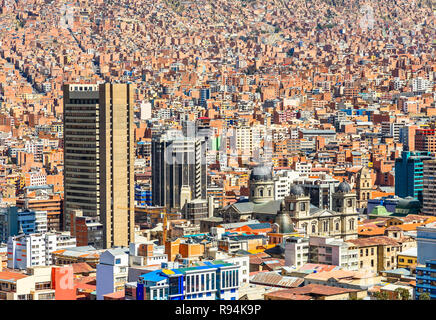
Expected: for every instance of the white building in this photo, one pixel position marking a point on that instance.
(112, 271)
(37, 179)
(244, 140)
(303, 167)
(145, 109)
(244, 267)
(421, 85)
(324, 250)
(35, 249)
(140, 257)
(334, 252)
(283, 180)
(296, 251)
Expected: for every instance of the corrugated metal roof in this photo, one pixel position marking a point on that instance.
(276, 280)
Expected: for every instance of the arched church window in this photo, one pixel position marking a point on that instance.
(325, 226)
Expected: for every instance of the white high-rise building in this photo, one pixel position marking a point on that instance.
(35, 249)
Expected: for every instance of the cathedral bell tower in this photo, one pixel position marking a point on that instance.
(297, 203)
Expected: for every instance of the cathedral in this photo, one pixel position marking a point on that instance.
(295, 213)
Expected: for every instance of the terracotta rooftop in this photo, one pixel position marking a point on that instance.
(318, 289)
(374, 241)
(82, 267)
(12, 276)
(339, 274)
(286, 295)
(115, 295)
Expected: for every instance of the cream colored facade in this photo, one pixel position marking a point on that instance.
(363, 187)
(99, 157)
(340, 223)
(377, 254)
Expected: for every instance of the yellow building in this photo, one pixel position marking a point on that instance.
(408, 258)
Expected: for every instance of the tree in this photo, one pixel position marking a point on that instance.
(403, 294)
(381, 295)
(424, 296)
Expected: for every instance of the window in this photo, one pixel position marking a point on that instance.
(313, 228)
(117, 261)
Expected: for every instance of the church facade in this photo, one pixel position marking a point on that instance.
(340, 222)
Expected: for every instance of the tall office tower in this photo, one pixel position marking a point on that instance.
(409, 174)
(179, 167)
(425, 140)
(407, 137)
(429, 189)
(99, 157)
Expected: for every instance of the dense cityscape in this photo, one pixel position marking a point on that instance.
(217, 150)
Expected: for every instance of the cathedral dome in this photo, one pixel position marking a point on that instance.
(284, 221)
(344, 187)
(261, 173)
(297, 190)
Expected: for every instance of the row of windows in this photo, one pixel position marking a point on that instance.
(202, 282)
(83, 101)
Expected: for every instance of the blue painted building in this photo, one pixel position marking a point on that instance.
(426, 241)
(215, 280)
(409, 174)
(8, 223)
(426, 280)
(143, 195)
(204, 96)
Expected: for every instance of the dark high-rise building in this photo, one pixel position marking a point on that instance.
(409, 174)
(99, 157)
(178, 169)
